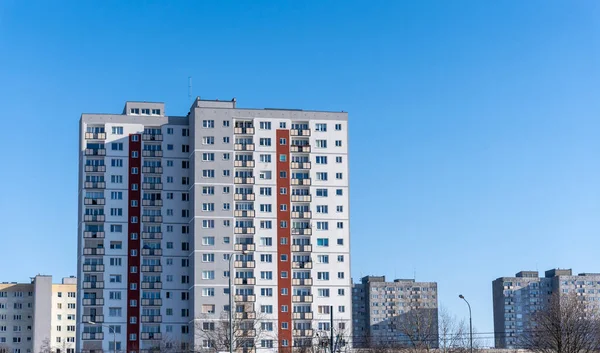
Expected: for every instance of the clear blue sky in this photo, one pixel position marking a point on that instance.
(474, 124)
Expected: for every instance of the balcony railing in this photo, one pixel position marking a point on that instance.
(93, 302)
(243, 147)
(245, 298)
(93, 268)
(147, 153)
(301, 248)
(152, 202)
(93, 318)
(93, 285)
(152, 137)
(305, 181)
(300, 149)
(152, 186)
(244, 164)
(302, 298)
(152, 252)
(94, 218)
(246, 333)
(244, 264)
(153, 318)
(243, 213)
(95, 202)
(151, 335)
(303, 316)
(93, 251)
(92, 336)
(151, 285)
(239, 180)
(301, 231)
(305, 264)
(95, 152)
(243, 131)
(152, 170)
(95, 185)
(151, 268)
(244, 197)
(303, 333)
(245, 281)
(300, 165)
(244, 230)
(245, 315)
(302, 282)
(95, 168)
(152, 219)
(244, 247)
(151, 302)
(95, 135)
(297, 132)
(301, 198)
(302, 215)
(88, 234)
(152, 235)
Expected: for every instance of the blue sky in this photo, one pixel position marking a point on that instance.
(474, 125)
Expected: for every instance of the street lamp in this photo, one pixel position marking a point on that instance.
(109, 329)
(231, 257)
(470, 321)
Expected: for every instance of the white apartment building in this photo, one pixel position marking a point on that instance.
(39, 316)
(164, 202)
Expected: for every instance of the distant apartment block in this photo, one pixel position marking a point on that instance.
(38, 316)
(517, 298)
(385, 312)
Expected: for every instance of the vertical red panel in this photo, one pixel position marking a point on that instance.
(135, 146)
(284, 233)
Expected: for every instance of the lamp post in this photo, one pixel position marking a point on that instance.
(109, 329)
(470, 321)
(231, 257)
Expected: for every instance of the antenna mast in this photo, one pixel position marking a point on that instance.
(190, 88)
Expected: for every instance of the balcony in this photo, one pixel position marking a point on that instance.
(244, 230)
(244, 281)
(151, 285)
(147, 153)
(93, 318)
(95, 168)
(94, 218)
(244, 247)
(302, 299)
(244, 264)
(93, 251)
(152, 235)
(88, 336)
(239, 180)
(152, 219)
(297, 132)
(151, 335)
(245, 298)
(301, 248)
(245, 315)
(300, 165)
(93, 302)
(243, 131)
(152, 170)
(301, 181)
(303, 333)
(95, 185)
(303, 316)
(243, 147)
(246, 333)
(302, 282)
(93, 285)
(153, 318)
(151, 302)
(95, 152)
(93, 268)
(96, 202)
(301, 198)
(152, 137)
(152, 203)
(302, 215)
(95, 135)
(93, 235)
(244, 164)
(243, 213)
(301, 231)
(152, 186)
(244, 197)
(300, 149)
(153, 268)
(304, 265)
(152, 252)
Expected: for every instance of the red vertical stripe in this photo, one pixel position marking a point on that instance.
(284, 233)
(134, 244)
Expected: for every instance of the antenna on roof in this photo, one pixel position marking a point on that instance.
(190, 89)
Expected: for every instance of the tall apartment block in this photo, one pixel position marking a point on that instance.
(168, 204)
(517, 298)
(38, 316)
(389, 313)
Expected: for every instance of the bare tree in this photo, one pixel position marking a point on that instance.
(167, 345)
(565, 324)
(417, 328)
(4, 348)
(453, 333)
(46, 346)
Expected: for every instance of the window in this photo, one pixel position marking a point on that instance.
(117, 179)
(323, 292)
(322, 242)
(338, 159)
(322, 209)
(321, 127)
(208, 223)
(266, 309)
(323, 259)
(266, 241)
(266, 292)
(265, 191)
(340, 275)
(264, 125)
(322, 192)
(338, 127)
(265, 158)
(116, 162)
(265, 208)
(340, 225)
(266, 258)
(116, 228)
(117, 130)
(208, 241)
(208, 190)
(116, 195)
(266, 275)
(208, 292)
(338, 143)
(185, 148)
(282, 157)
(226, 139)
(208, 173)
(341, 292)
(323, 276)
(338, 192)
(340, 258)
(266, 224)
(225, 123)
(169, 131)
(115, 278)
(338, 176)
(208, 206)
(208, 140)
(265, 141)
(208, 257)
(282, 141)
(322, 225)
(340, 241)
(321, 159)
(169, 147)
(208, 157)
(208, 274)
(226, 189)
(282, 125)
(322, 176)
(321, 143)
(283, 191)
(226, 172)
(339, 208)
(114, 312)
(116, 146)
(208, 124)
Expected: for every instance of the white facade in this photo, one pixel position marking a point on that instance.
(270, 186)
